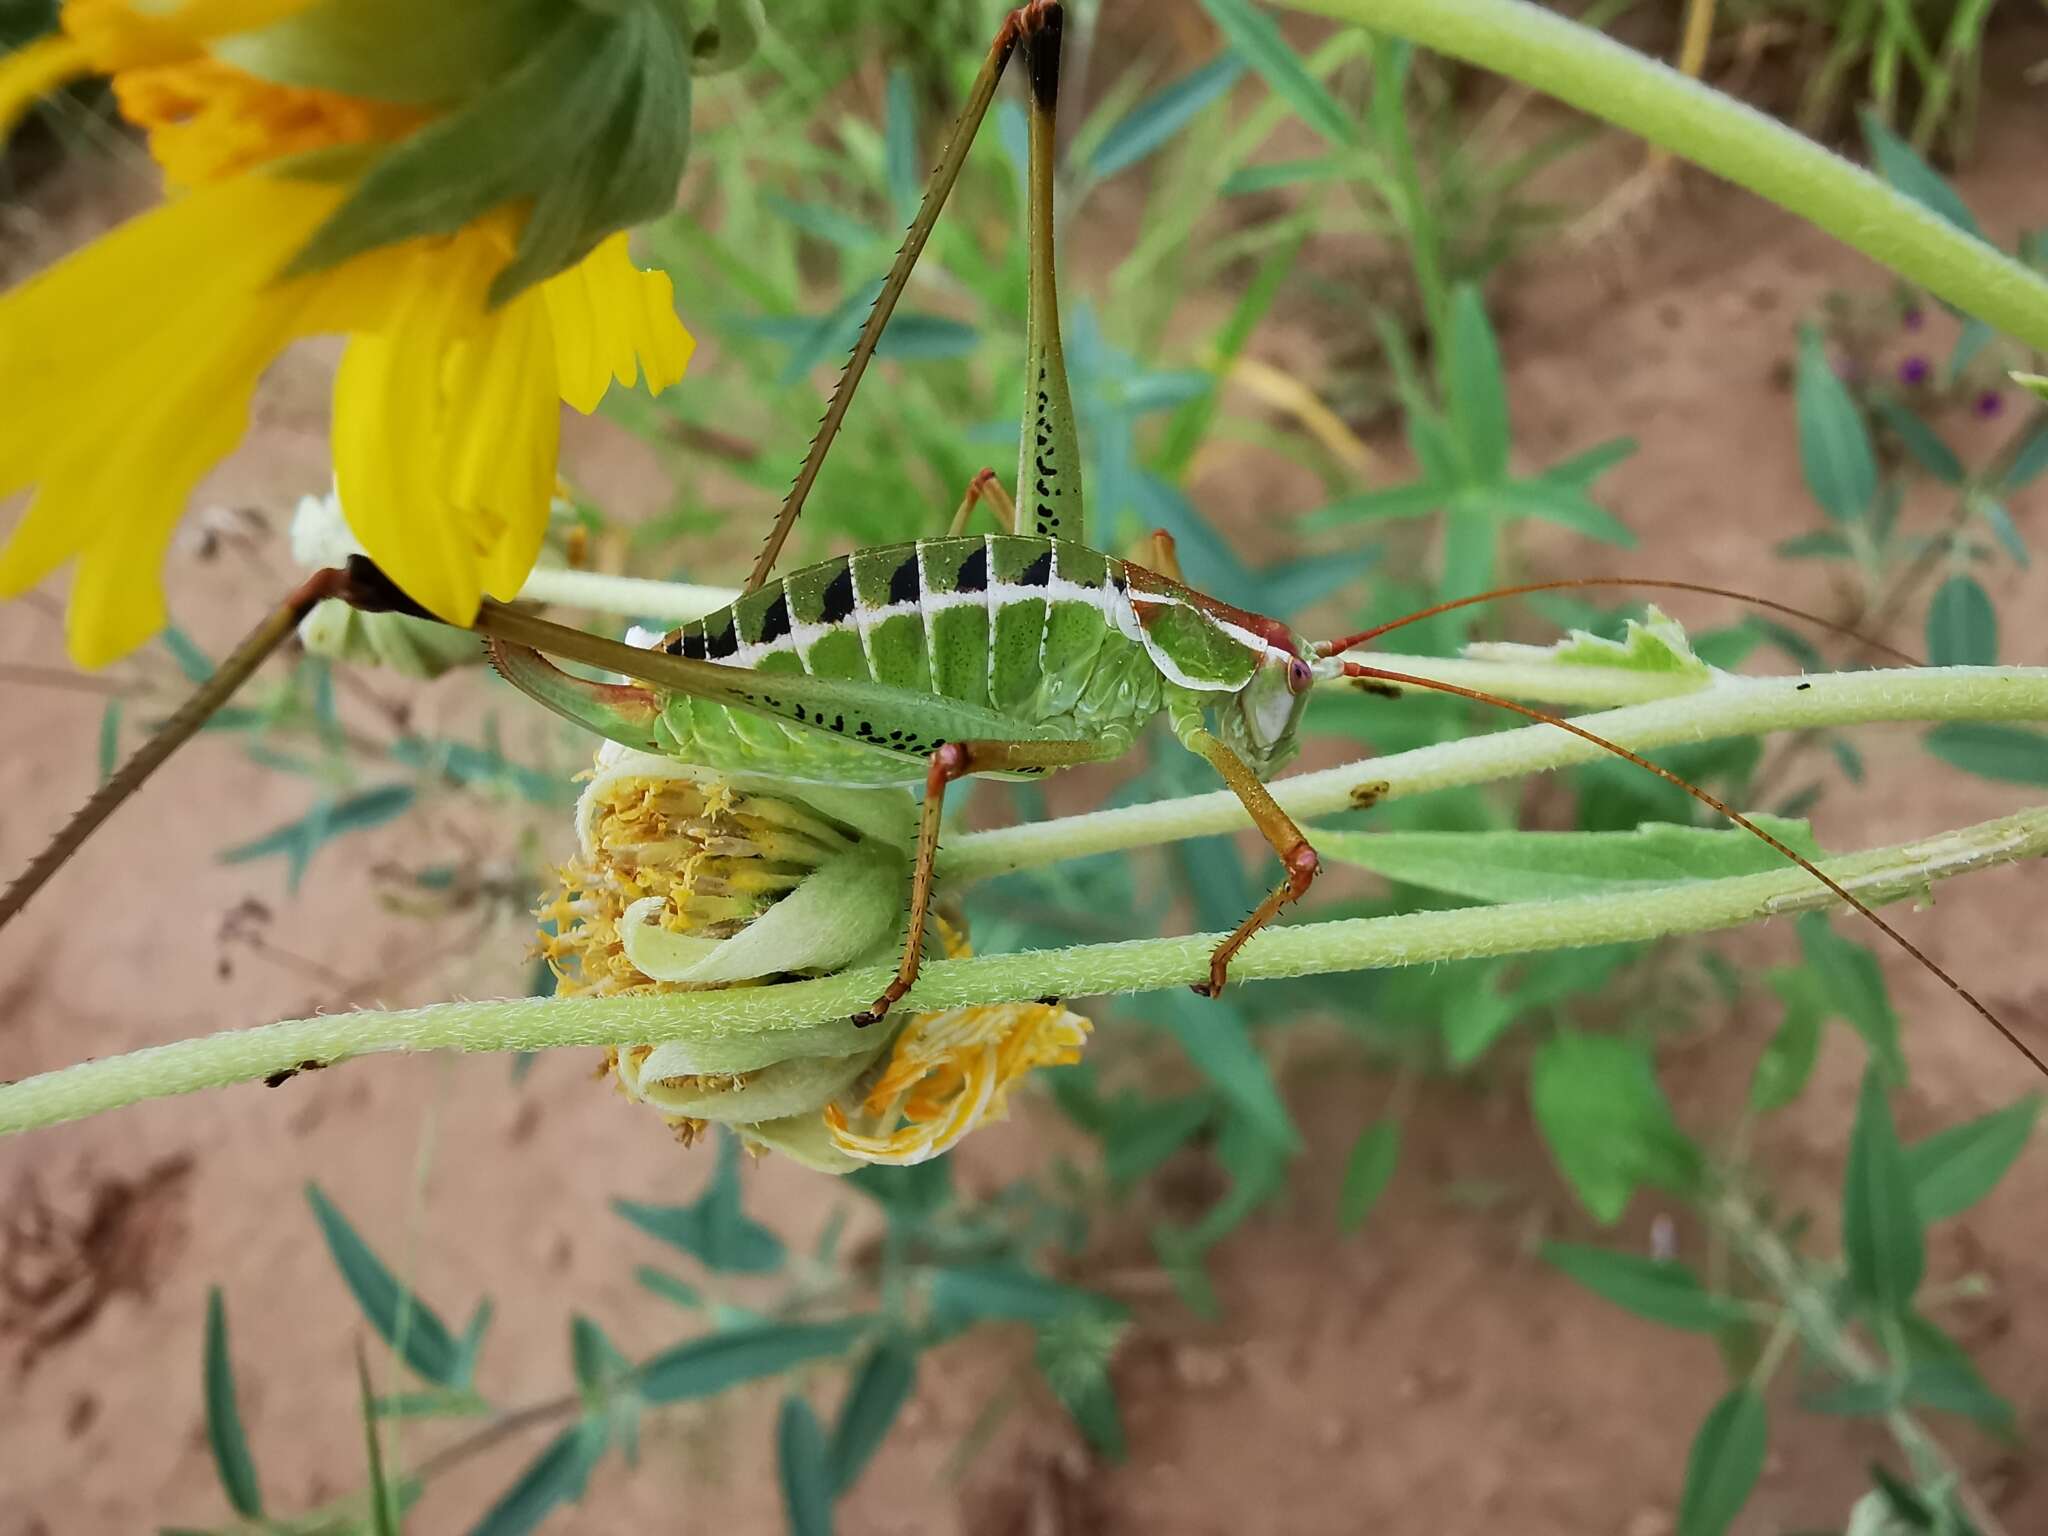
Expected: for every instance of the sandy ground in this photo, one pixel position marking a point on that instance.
(1429, 1375)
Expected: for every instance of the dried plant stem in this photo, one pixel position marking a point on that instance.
(738, 1030)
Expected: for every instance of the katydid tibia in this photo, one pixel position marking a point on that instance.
(1006, 654)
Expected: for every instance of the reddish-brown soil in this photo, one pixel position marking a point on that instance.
(1429, 1375)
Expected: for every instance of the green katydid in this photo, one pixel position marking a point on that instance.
(1009, 654)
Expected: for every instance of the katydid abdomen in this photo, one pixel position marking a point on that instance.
(975, 637)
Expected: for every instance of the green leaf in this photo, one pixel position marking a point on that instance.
(1417, 500)
(1955, 1168)
(595, 1360)
(1374, 1157)
(1962, 626)
(1787, 1062)
(401, 1319)
(707, 1366)
(668, 1287)
(1834, 442)
(1661, 1290)
(298, 841)
(224, 1417)
(1474, 389)
(110, 739)
(383, 1506)
(964, 1294)
(1923, 443)
(1475, 1017)
(1943, 1377)
(804, 1468)
(1582, 469)
(1905, 170)
(2013, 754)
(1552, 502)
(713, 1230)
(886, 1381)
(1655, 643)
(1544, 866)
(1217, 1039)
(1881, 1235)
(1851, 987)
(591, 129)
(1607, 1123)
(192, 661)
(2005, 531)
(1256, 38)
(1073, 1355)
(1821, 544)
(1726, 1460)
(1154, 121)
(556, 1476)
(2031, 458)
(899, 143)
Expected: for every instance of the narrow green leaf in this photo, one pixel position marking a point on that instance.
(110, 739)
(1374, 1157)
(383, 1508)
(1417, 500)
(1851, 986)
(1217, 1038)
(1821, 544)
(1153, 122)
(471, 1344)
(805, 1469)
(2005, 531)
(1552, 501)
(1881, 1234)
(1607, 1123)
(1474, 388)
(964, 1294)
(1834, 442)
(1787, 1062)
(1923, 443)
(886, 1381)
(1661, 1290)
(2031, 458)
(192, 661)
(899, 143)
(1726, 1460)
(1955, 1168)
(224, 1417)
(1905, 170)
(1543, 866)
(1962, 626)
(401, 1319)
(299, 840)
(2014, 754)
(706, 1366)
(1582, 469)
(668, 1287)
(713, 1230)
(556, 1476)
(1255, 37)
(1944, 1377)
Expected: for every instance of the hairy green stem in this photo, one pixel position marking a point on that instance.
(743, 1029)
(1730, 706)
(1598, 75)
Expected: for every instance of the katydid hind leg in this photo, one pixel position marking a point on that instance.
(956, 760)
(1049, 446)
(984, 490)
(1018, 26)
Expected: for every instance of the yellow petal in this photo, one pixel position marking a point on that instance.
(504, 433)
(119, 34)
(614, 322)
(32, 72)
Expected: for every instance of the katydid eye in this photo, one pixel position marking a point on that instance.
(1299, 678)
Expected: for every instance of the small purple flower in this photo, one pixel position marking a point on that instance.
(1990, 403)
(1914, 371)
(1914, 317)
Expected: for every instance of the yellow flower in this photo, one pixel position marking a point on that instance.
(130, 365)
(949, 1073)
(687, 880)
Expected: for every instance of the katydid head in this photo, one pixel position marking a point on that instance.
(1262, 722)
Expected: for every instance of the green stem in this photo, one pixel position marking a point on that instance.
(743, 1029)
(1730, 706)
(669, 601)
(1598, 75)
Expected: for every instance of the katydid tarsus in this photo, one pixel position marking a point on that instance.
(1008, 654)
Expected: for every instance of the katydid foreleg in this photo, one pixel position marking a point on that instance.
(956, 760)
